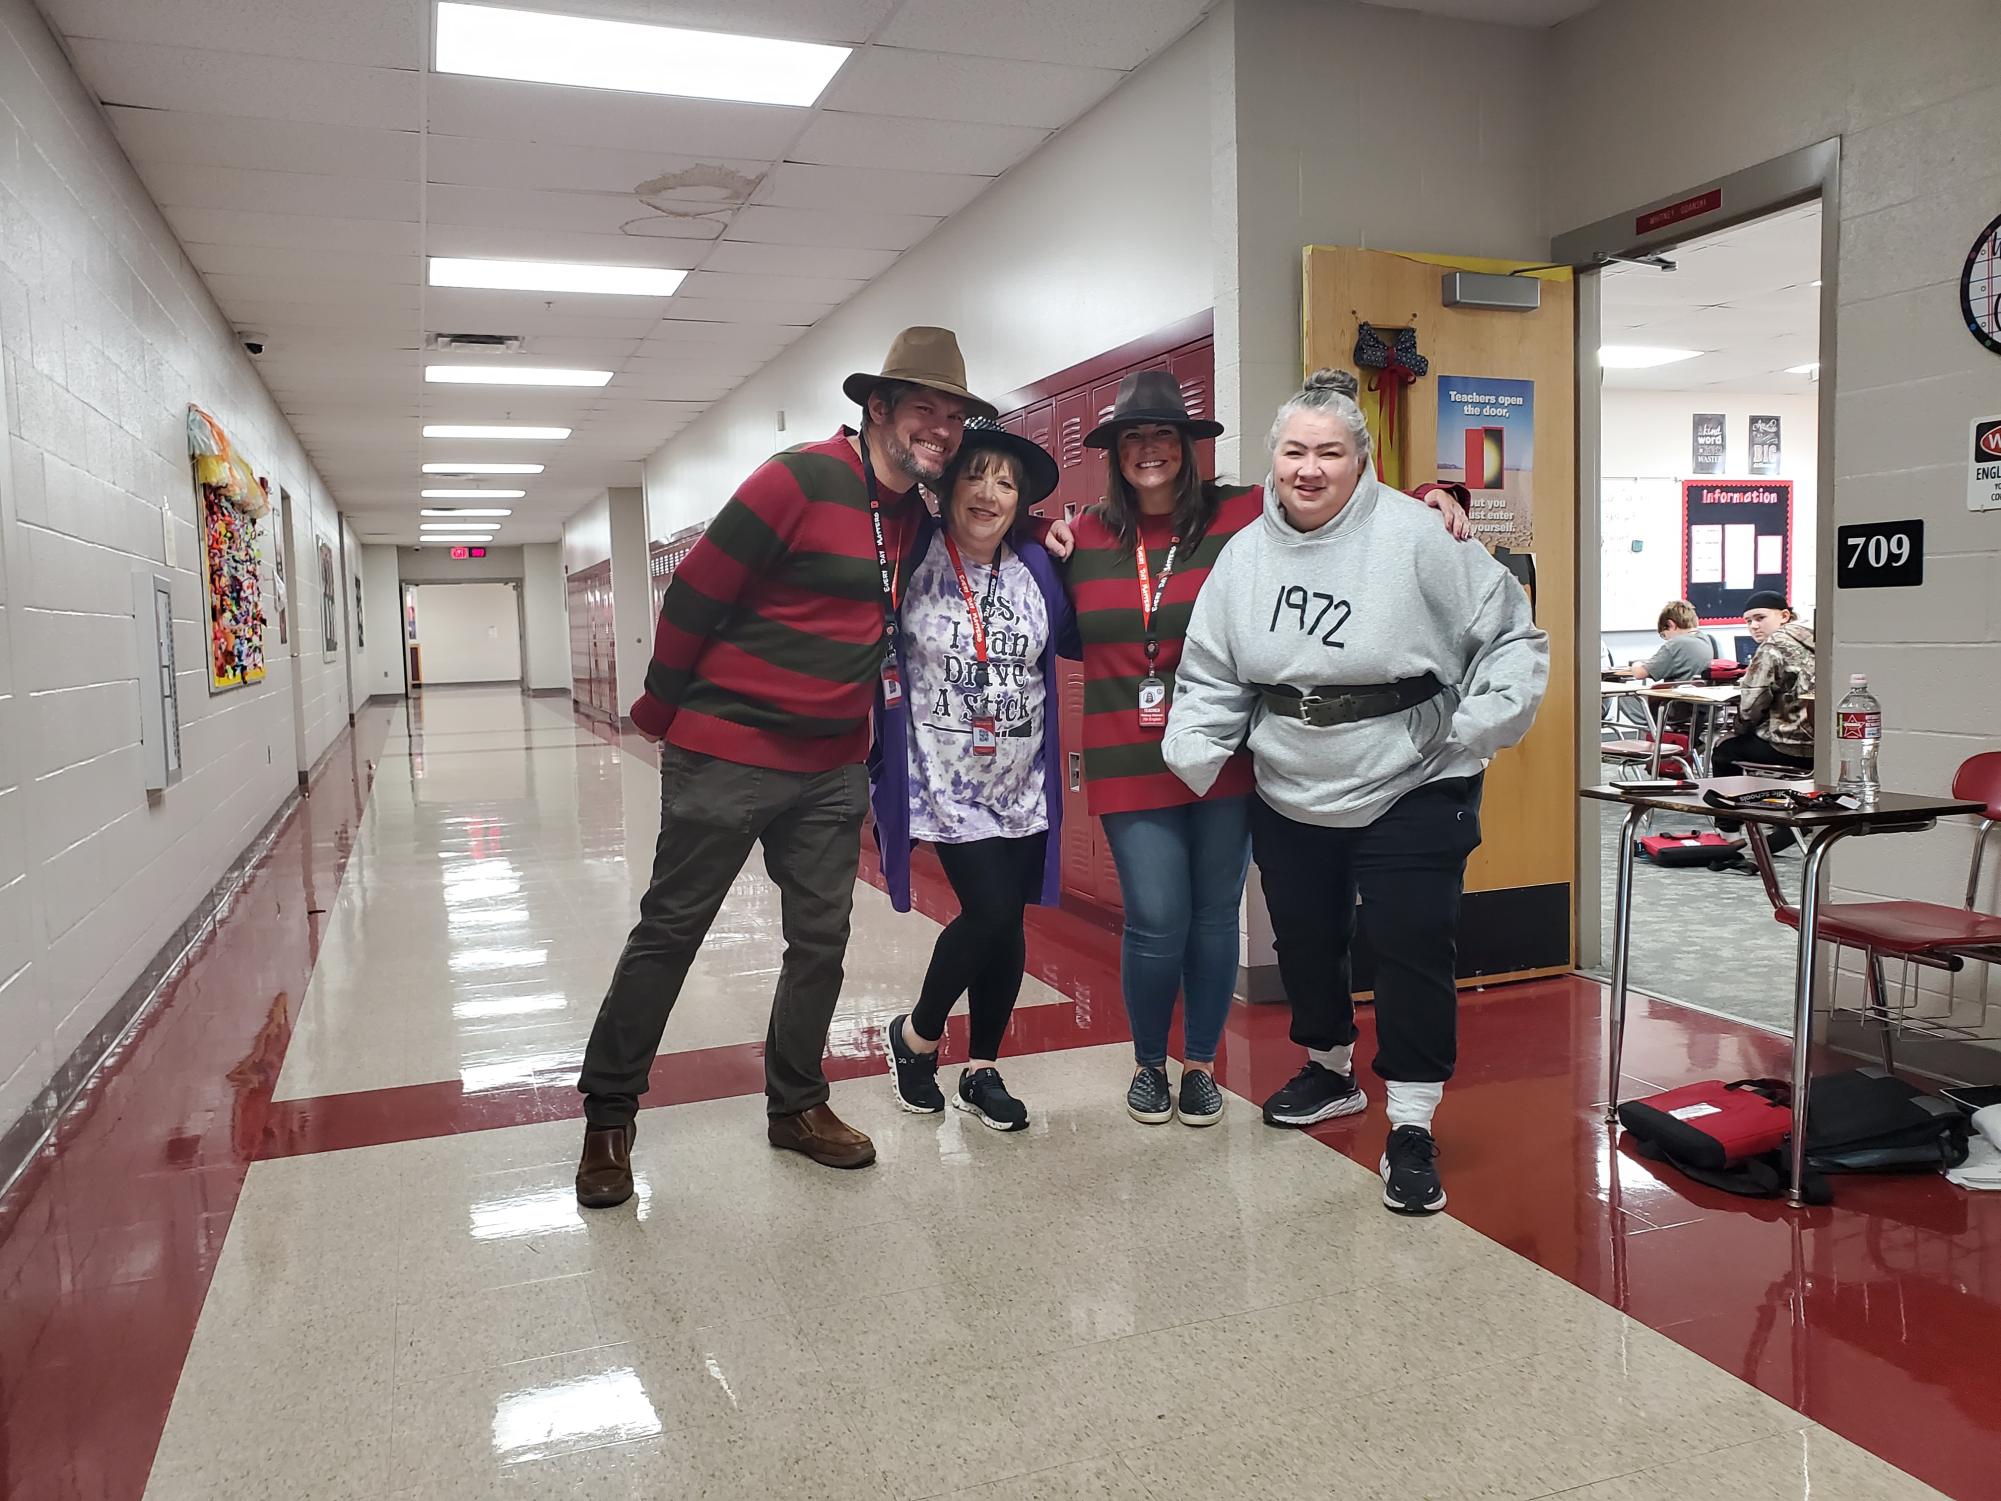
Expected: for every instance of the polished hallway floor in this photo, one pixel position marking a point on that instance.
(326, 1246)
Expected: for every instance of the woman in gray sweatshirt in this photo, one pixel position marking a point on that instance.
(1373, 667)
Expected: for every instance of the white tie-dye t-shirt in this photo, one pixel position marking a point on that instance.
(957, 796)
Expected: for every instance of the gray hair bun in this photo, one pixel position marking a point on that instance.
(1341, 381)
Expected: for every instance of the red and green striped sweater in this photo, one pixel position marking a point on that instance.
(769, 642)
(1123, 770)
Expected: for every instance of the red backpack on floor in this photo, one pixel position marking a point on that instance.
(1711, 1124)
(1670, 851)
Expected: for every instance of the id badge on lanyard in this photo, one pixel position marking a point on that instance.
(986, 733)
(1152, 687)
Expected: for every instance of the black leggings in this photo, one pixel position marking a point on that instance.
(981, 953)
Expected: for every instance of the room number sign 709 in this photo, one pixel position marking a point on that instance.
(1298, 602)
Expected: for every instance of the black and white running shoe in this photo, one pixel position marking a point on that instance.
(1150, 1100)
(981, 1093)
(1315, 1094)
(1410, 1172)
(1201, 1101)
(913, 1076)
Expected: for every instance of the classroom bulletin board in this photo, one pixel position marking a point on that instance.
(1736, 539)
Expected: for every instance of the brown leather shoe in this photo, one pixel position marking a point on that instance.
(821, 1135)
(604, 1174)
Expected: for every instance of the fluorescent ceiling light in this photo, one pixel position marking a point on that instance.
(465, 528)
(1640, 356)
(1810, 368)
(455, 511)
(554, 276)
(592, 54)
(513, 375)
(482, 469)
(471, 494)
(523, 434)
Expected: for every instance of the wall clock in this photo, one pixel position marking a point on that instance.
(1980, 287)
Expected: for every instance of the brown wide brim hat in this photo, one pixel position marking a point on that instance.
(923, 357)
(1150, 396)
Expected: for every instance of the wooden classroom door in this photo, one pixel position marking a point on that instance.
(1514, 374)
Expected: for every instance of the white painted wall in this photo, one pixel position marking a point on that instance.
(545, 613)
(1049, 267)
(107, 334)
(470, 633)
(1919, 115)
(1647, 436)
(631, 592)
(382, 599)
(587, 535)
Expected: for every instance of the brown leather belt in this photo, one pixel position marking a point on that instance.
(1348, 703)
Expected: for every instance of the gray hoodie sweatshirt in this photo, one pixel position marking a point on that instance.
(1381, 592)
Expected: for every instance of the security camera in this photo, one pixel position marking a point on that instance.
(253, 343)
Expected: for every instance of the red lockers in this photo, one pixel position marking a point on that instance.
(593, 645)
(1057, 414)
(663, 558)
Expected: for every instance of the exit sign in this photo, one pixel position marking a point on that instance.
(460, 554)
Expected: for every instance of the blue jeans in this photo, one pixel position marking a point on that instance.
(1181, 873)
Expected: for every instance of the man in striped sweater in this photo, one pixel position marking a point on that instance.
(767, 660)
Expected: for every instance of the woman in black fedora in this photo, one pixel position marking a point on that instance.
(1139, 558)
(966, 756)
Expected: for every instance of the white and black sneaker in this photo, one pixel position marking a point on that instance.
(1315, 1094)
(913, 1076)
(981, 1093)
(1150, 1100)
(1410, 1172)
(1201, 1101)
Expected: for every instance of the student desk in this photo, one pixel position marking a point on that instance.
(1708, 700)
(1890, 813)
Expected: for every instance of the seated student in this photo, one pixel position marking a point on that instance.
(1685, 652)
(1774, 726)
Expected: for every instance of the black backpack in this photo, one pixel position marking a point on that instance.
(1861, 1120)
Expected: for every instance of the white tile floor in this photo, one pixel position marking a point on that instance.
(1087, 1309)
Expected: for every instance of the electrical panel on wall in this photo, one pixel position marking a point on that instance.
(159, 697)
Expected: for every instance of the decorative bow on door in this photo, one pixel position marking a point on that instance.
(1397, 364)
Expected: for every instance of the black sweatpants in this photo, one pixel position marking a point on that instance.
(982, 952)
(1409, 867)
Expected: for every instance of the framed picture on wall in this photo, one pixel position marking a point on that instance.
(329, 602)
(360, 620)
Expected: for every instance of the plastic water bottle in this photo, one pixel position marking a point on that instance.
(1859, 725)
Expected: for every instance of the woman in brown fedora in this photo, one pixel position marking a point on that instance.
(1139, 558)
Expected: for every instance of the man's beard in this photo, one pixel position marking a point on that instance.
(914, 468)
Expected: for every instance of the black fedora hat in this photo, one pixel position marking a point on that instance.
(1149, 396)
(1038, 469)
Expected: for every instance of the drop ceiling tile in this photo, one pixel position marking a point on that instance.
(281, 318)
(828, 291)
(377, 33)
(939, 86)
(516, 243)
(838, 138)
(503, 110)
(676, 385)
(313, 292)
(152, 135)
(277, 88)
(1052, 31)
(800, 185)
(599, 213)
(587, 354)
(846, 228)
(303, 265)
(743, 257)
(479, 162)
(849, 21)
(290, 231)
(282, 192)
(576, 316)
(744, 310)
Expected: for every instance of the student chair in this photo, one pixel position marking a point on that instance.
(1923, 933)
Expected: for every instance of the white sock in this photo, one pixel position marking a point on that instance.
(1413, 1104)
(1340, 1060)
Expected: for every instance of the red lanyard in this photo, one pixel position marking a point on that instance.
(1150, 593)
(891, 573)
(978, 611)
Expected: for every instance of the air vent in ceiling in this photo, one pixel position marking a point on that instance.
(478, 343)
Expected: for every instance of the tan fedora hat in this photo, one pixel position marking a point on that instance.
(923, 357)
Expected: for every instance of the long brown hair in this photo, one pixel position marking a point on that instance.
(1195, 499)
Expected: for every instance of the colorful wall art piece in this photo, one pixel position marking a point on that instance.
(232, 502)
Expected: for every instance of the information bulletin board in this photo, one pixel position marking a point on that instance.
(1736, 539)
